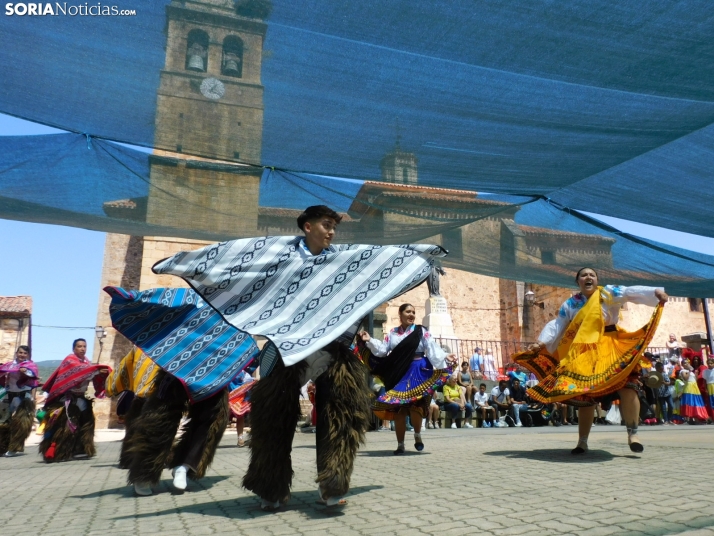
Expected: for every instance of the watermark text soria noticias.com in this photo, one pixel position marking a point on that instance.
(86, 9)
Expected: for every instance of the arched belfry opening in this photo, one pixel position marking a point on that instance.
(197, 51)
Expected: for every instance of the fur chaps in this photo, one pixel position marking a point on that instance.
(21, 425)
(4, 437)
(343, 416)
(84, 443)
(275, 410)
(208, 420)
(154, 430)
(134, 411)
(59, 443)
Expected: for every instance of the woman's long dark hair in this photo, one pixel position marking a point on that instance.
(577, 275)
(403, 307)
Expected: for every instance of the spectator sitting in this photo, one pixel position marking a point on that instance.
(466, 381)
(518, 400)
(433, 416)
(481, 404)
(516, 373)
(454, 402)
(501, 401)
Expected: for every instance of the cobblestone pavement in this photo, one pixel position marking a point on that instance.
(512, 481)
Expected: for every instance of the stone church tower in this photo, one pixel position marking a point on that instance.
(209, 103)
(399, 166)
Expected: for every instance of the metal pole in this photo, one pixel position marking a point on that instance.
(708, 324)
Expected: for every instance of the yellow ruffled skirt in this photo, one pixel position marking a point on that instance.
(597, 370)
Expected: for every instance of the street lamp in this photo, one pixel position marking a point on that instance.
(530, 300)
(101, 333)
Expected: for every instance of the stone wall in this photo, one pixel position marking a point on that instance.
(121, 268)
(489, 309)
(474, 304)
(157, 249)
(677, 318)
(13, 333)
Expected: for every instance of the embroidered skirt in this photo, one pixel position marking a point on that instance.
(607, 366)
(415, 389)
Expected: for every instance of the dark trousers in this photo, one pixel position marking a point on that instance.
(453, 409)
(667, 406)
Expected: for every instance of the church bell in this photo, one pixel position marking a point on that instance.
(231, 65)
(196, 58)
(195, 63)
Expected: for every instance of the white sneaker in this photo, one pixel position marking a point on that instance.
(179, 474)
(518, 424)
(142, 489)
(467, 425)
(453, 425)
(11, 454)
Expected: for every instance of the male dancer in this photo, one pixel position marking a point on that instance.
(195, 354)
(308, 297)
(69, 432)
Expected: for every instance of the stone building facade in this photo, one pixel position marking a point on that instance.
(210, 102)
(15, 325)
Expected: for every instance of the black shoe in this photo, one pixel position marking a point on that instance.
(399, 451)
(637, 447)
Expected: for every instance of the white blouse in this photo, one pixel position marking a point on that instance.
(427, 345)
(613, 298)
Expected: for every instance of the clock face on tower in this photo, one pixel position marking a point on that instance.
(212, 88)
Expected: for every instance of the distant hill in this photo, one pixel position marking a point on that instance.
(46, 368)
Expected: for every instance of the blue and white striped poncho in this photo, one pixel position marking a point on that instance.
(267, 286)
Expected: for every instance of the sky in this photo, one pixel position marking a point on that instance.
(60, 267)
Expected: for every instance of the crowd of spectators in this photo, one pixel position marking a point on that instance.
(663, 383)
(467, 401)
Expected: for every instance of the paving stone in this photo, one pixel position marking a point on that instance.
(519, 481)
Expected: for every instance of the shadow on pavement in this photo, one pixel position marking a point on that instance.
(390, 453)
(163, 487)
(559, 455)
(249, 507)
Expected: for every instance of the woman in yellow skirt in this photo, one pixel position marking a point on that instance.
(582, 355)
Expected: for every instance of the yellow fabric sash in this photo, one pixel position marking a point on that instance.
(136, 372)
(583, 332)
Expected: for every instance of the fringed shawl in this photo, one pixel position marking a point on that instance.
(27, 380)
(72, 373)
